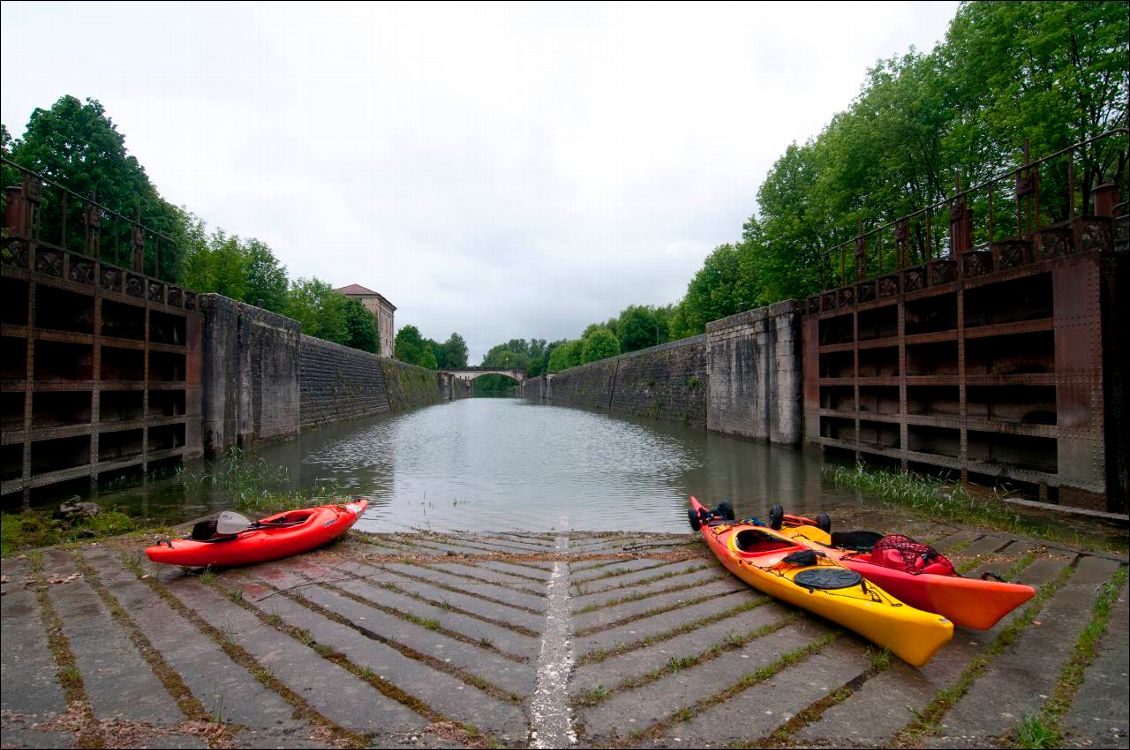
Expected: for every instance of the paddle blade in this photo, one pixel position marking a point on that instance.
(231, 522)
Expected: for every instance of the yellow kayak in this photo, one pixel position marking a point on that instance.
(776, 565)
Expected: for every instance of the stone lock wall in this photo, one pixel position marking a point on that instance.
(337, 383)
(743, 377)
(756, 378)
(589, 386)
(664, 382)
(263, 380)
(409, 386)
(250, 363)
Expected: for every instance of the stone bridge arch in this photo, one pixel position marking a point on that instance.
(469, 374)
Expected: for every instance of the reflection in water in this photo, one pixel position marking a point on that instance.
(504, 464)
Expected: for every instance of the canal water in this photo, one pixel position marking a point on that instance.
(491, 464)
(502, 464)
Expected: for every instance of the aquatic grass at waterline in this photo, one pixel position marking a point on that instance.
(939, 499)
(247, 482)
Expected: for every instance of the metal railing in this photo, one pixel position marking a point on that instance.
(974, 216)
(40, 210)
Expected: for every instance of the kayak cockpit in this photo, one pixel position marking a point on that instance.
(756, 543)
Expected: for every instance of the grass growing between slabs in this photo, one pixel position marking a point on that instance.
(939, 499)
(1043, 729)
(930, 717)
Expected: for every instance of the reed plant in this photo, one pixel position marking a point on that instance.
(940, 499)
(249, 483)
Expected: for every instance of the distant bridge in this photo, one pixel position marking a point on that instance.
(470, 373)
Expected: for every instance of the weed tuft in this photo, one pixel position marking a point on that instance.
(1036, 731)
(940, 499)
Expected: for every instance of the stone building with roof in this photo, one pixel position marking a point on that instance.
(382, 310)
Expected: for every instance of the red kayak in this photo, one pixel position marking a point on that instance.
(276, 536)
(912, 572)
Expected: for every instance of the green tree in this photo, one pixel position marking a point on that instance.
(517, 354)
(78, 146)
(495, 385)
(540, 357)
(1053, 72)
(413, 348)
(599, 344)
(641, 326)
(214, 263)
(723, 286)
(8, 175)
(266, 278)
(452, 353)
(319, 309)
(360, 326)
(565, 355)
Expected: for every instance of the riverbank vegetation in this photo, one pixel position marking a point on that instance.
(33, 528)
(413, 348)
(240, 480)
(939, 499)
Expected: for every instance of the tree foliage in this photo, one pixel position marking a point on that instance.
(224, 264)
(565, 355)
(598, 344)
(641, 326)
(517, 354)
(1055, 73)
(78, 146)
(540, 357)
(452, 354)
(413, 348)
(319, 309)
(360, 327)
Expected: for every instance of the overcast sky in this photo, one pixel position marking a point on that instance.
(501, 170)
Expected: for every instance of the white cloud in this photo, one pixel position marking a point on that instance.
(500, 170)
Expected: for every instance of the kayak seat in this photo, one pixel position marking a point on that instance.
(205, 531)
(754, 542)
(858, 541)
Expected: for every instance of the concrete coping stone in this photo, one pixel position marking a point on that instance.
(752, 316)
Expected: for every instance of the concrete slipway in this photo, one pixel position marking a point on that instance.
(520, 639)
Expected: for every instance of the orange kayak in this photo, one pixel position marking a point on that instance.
(271, 538)
(915, 574)
(785, 569)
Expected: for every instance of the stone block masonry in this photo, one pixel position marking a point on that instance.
(755, 374)
(743, 377)
(250, 371)
(350, 650)
(337, 383)
(664, 382)
(590, 386)
(263, 380)
(409, 386)
(667, 382)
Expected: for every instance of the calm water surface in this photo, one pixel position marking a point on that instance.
(506, 464)
(488, 464)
